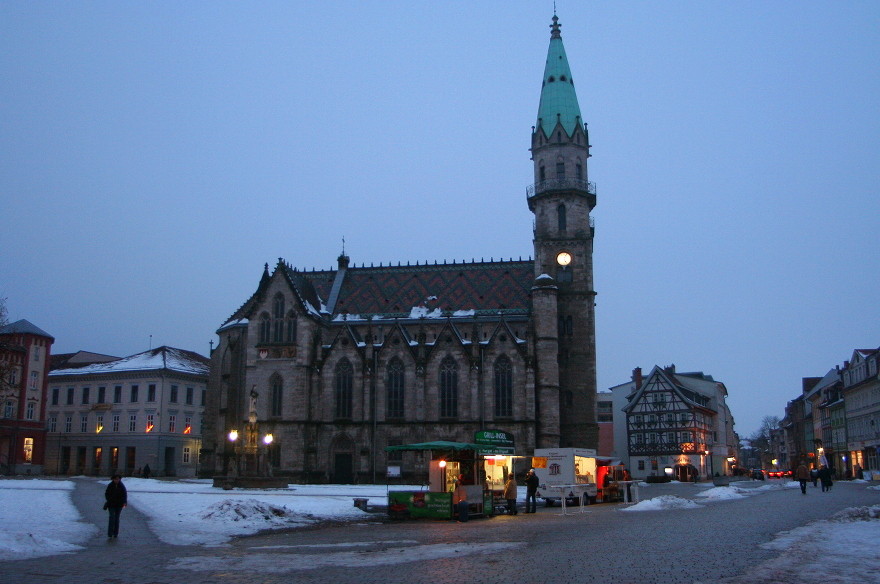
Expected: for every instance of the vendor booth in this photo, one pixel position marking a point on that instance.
(482, 468)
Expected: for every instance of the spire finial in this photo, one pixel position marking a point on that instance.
(554, 28)
(343, 245)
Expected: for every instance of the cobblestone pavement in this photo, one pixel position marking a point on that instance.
(717, 540)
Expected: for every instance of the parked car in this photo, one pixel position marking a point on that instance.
(757, 474)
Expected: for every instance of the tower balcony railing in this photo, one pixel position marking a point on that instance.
(560, 184)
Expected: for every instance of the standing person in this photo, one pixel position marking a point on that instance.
(510, 494)
(531, 491)
(814, 476)
(825, 478)
(116, 498)
(802, 475)
(460, 502)
(146, 471)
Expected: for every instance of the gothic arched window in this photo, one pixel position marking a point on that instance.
(290, 328)
(561, 217)
(394, 402)
(343, 384)
(276, 388)
(560, 170)
(503, 388)
(278, 318)
(448, 388)
(265, 328)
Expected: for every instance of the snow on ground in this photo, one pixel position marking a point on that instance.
(37, 518)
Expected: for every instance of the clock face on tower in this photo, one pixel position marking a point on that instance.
(563, 258)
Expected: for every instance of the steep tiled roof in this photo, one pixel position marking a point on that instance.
(24, 327)
(482, 287)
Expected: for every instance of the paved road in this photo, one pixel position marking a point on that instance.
(604, 544)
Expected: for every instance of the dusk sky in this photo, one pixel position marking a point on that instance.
(154, 155)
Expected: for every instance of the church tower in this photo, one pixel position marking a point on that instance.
(563, 296)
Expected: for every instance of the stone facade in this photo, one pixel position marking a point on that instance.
(346, 362)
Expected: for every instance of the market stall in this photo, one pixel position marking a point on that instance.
(482, 469)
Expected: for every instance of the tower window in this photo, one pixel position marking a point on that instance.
(551, 79)
(578, 169)
(561, 217)
(562, 78)
(541, 174)
(560, 169)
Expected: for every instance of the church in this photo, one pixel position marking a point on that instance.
(333, 366)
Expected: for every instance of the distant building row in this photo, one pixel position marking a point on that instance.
(836, 419)
(85, 413)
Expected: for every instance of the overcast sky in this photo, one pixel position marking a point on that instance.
(154, 155)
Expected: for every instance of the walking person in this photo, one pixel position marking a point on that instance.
(531, 491)
(510, 494)
(802, 475)
(825, 478)
(116, 498)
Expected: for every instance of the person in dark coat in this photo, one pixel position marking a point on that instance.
(531, 491)
(116, 498)
(825, 478)
(147, 471)
(510, 494)
(802, 475)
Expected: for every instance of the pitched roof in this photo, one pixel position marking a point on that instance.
(24, 327)
(178, 360)
(558, 98)
(422, 290)
(78, 359)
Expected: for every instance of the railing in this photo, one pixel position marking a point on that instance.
(560, 184)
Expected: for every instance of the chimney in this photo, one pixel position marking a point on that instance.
(637, 377)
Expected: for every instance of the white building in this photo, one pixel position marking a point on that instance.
(123, 415)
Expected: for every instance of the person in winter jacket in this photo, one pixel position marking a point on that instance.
(802, 475)
(510, 494)
(532, 482)
(116, 498)
(825, 478)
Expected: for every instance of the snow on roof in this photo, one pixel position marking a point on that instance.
(168, 358)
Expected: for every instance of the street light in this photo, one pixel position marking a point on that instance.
(267, 439)
(233, 435)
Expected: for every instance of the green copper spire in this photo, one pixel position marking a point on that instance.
(558, 99)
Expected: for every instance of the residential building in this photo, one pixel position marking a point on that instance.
(342, 363)
(25, 353)
(119, 416)
(674, 423)
(861, 396)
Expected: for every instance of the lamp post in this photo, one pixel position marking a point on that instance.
(233, 437)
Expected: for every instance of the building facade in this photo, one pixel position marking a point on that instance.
(339, 364)
(674, 424)
(861, 396)
(25, 354)
(122, 415)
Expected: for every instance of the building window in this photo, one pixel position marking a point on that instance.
(448, 388)
(204, 393)
(187, 425)
(641, 465)
(132, 423)
(173, 397)
(189, 396)
(34, 377)
(394, 389)
(343, 385)
(70, 396)
(53, 424)
(84, 423)
(68, 424)
(276, 396)
(149, 425)
(9, 409)
(102, 395)
(134, 394)
(85, 395)
(579, 170)
(56, 391)
(172, 420)
(116, 422)
(265, 328)
(561, 217)
(29, 411)
(291, 328)
(503, 388)
(28, 449)
(99, 424)
(117, 394)
(36, 352)
(560, 170)
(278, 318)
(186, 454)
(151, 392)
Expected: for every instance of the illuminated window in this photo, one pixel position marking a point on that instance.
(99, 423)
(149, 426)
(187, 425)
(28, 449)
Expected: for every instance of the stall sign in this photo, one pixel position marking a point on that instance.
(494, 441)
(420, 504)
